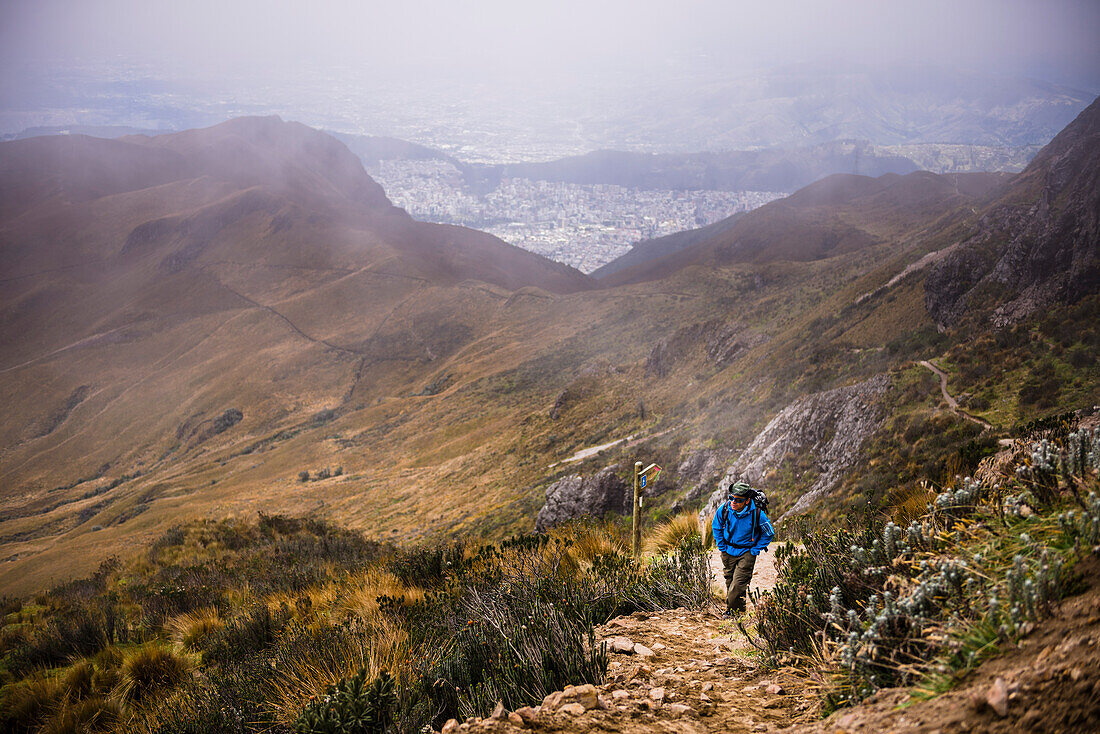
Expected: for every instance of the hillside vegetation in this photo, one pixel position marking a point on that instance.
(291, 624)
(235, 320)
(233, 626)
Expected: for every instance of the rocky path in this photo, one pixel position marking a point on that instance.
(676, 670)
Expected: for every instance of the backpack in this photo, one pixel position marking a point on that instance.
(760, 504)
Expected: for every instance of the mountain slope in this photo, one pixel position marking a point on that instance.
(841, 213)
(1038, 244)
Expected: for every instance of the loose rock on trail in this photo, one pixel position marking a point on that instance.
(676, 670)
(693, 671)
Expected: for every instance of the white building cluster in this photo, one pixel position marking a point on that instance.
(583, 225)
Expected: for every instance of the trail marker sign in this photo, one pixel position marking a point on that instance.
(641, 479)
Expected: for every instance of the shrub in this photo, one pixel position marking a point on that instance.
(24, 705)
(152, 670)
(79, 632)
(243, 637)
(522, 626)
(316, 657)
(303, 476)
(199, 709)
(352, 707)
(226, 420)
(429, 567)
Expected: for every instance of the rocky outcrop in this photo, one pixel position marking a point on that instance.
(698, 473)
(721, 343)
(577, 496)
(1038, 244)
(828, 427)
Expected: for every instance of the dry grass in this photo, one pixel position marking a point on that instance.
(589, 542)
(908, 504)
(669, 535)
(151, 670)
(89, 715)
(78, 681)
(294, 684)
(30, 701)
(360, 597)
(188, 630)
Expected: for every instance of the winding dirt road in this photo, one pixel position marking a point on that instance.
(952, 402)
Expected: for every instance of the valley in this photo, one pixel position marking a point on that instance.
(428, 361)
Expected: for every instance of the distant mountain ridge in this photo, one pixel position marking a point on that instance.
(770, 169)
(1038, 244)
(841, 213)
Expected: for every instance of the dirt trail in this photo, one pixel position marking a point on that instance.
(691, 671)
(952, 402)
(678, 670)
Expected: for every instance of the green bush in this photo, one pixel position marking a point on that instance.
(352, 707)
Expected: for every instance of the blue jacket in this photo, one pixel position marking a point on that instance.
(735, 536)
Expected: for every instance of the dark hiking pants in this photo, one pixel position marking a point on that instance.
(738, 573)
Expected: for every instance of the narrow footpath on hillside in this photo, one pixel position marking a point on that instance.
(676, 670)
(691, 671)
(951, 401)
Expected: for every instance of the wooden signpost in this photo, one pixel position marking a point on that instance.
(642, 478)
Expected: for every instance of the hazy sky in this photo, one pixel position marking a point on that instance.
(514, 39)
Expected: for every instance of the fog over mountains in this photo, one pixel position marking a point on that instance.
(671, 113)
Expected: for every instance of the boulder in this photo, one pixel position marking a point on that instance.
(829, 426)
(578, 496)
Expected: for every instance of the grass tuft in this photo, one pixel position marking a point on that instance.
(152, 670)
(670, 535)
(26, 704)
(191, 629)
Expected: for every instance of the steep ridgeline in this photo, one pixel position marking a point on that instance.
(837, 215)
(1036, 245)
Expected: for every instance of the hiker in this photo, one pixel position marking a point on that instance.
(741, 531)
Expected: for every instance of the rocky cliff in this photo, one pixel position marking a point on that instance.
(828, 427)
